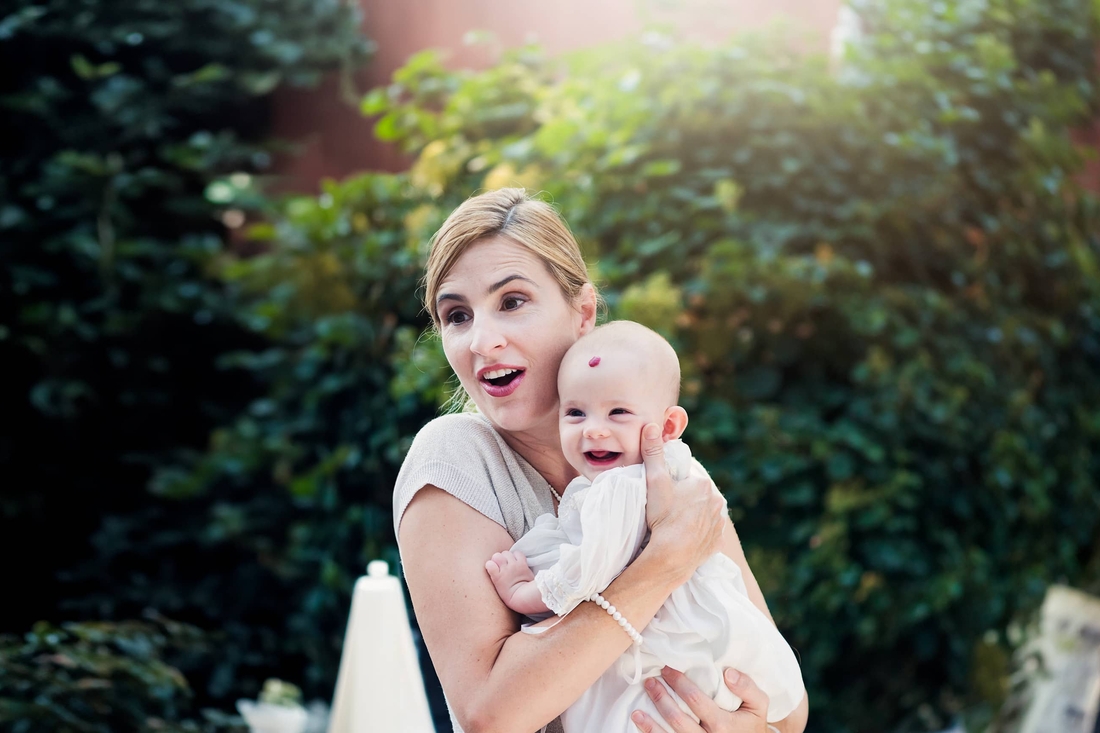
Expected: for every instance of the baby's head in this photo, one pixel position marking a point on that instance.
(612, 382)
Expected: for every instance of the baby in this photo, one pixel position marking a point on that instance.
(611, 383)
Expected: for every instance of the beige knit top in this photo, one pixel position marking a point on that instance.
(463, 455)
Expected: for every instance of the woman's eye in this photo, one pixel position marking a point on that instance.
(511, 303)
(455, 318)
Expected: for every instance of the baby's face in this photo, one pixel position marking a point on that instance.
(603, 410)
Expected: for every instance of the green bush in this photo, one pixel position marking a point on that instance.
(102, 678)
(296, 490)
(121, 118)
(881, 279)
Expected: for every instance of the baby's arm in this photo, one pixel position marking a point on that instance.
(515, 583)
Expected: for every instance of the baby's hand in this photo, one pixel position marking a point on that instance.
(515, 583)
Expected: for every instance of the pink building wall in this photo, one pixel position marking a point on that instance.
(336, 139)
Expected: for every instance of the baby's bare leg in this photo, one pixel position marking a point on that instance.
(515, 583)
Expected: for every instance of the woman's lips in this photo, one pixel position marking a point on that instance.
(503, 390)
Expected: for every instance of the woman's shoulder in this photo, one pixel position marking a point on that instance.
(457, 438)
(466, 424)
(460, 454)
(465, 442)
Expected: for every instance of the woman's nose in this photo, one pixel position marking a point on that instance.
(486, 338)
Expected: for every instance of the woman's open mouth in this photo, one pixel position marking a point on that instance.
(601, 457)
(501, 382)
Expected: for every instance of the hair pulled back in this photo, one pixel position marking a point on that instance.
(512, 213)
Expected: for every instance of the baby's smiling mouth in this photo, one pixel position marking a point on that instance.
(601, 457)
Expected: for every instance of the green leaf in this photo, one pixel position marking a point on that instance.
(659, 168)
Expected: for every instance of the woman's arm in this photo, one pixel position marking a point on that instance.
(731, 547)
(751, 717)
(495, 678)
(500, 681)
(796, 721)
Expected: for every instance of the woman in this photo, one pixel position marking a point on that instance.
(509, 292)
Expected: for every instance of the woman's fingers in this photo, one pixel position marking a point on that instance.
(659, 486)
(645, 724)
(754, 701)
(703, 706)
(669, 710)
(751, 717)
(686, 517)
(653, 455)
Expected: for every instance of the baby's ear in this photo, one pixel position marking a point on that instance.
(676, 420)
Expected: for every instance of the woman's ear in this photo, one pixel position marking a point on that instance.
(587, 307)
(676, 421)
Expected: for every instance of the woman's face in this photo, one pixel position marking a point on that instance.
(505, 326)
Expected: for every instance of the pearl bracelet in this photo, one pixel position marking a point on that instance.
(613, 613)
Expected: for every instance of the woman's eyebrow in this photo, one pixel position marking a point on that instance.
(449, 296)
(498, 285)
(492, 289)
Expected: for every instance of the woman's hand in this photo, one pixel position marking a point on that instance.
(751, 717)
(686, 517)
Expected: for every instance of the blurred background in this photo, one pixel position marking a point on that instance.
(870, 229)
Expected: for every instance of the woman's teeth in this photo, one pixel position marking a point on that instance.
(501, 377)
(498, 373)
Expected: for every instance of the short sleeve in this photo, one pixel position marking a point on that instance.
(458, 454)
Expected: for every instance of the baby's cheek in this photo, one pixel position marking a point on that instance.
(632, 447)
(570, 444)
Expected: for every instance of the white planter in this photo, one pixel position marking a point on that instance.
(263, 717)
(379, 688)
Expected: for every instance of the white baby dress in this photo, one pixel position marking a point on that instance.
(705, 626)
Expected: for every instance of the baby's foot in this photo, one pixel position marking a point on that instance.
(514, 581)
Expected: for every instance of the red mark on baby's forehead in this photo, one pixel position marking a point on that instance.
(594, 361)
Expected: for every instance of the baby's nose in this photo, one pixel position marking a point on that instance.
(595, 431)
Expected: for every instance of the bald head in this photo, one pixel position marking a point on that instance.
(651, 359)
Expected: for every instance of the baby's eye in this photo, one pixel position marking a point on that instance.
(574, 412)
(620, 411)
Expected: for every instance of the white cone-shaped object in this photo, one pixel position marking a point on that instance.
(1066, 696)
(379, 687)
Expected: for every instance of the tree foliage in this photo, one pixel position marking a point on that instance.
(880, 277)
(120, 119)
(102, 678)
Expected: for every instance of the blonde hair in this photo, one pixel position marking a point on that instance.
(512, 213)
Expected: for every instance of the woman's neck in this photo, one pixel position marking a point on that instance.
(541, 447)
